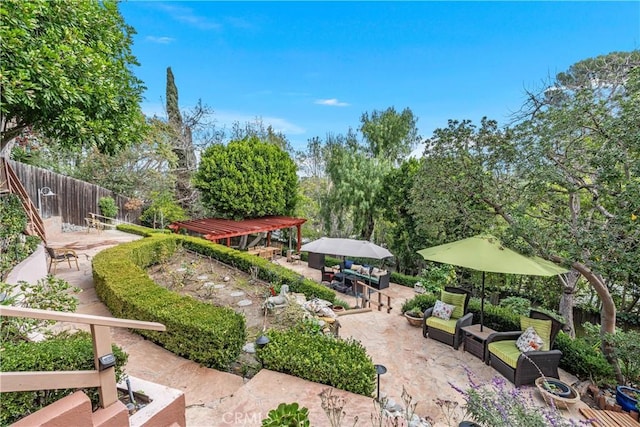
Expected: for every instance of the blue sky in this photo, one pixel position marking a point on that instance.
(312, 68)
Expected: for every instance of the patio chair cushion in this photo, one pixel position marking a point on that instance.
(449, 326)
(443, 310)
(505, 351)
(542, 328)
(529, 341)
(454, 299)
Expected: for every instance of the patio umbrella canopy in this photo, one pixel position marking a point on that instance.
(346, 247)
(485, 253)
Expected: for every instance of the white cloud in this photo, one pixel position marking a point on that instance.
(160, 40)
(186, 15)
(332, 102)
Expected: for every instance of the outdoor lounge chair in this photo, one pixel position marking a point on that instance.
(449, 331)
(523, 368)
(327, 276)
(57, 255)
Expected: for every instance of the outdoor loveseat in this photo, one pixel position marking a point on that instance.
(449, 331)
(519, 367)
(372, 276)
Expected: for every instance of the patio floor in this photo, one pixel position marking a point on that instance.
(423, 366)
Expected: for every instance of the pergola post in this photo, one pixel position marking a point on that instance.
(268, 238)
(299, 227)
(228, 242)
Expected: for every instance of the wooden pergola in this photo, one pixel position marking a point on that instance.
(217, 229)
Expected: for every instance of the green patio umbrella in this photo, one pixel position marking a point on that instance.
(485, 253)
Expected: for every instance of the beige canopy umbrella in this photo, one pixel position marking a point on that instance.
(485, 253)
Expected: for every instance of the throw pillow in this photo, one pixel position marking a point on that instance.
(542, 328)
(529, 341)
(348, 263)
(454, 299)
(442, 310)
(355, 267)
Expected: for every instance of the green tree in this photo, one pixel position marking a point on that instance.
(402, 237)
(65, 72)
(162, 210)
(389, 134)
(247, 179)
(182, 143)
(356, 170)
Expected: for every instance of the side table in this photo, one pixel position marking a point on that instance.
(475, 340)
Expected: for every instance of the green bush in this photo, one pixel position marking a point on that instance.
(324, 359)
(108, 207)
(141, 230)
(201, 332)
(14, 245)
(584, 360)
(404, 280)
(422, 302)
(65, 352)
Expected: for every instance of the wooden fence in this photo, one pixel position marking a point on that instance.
(73, 199)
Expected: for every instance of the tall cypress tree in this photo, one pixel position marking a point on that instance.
(173, 111)
(182, 146)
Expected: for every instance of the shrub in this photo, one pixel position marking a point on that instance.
(517, 304)
(14, 245)
(404, 280)
(49, 293)
(584, 360)
(201, 332)
(108, 207)
(64, 352)
(141, 230)
(422, 302)
(324, 359)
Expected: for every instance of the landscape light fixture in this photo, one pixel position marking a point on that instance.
(43, 192)
(380, 370)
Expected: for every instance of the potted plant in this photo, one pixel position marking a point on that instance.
(414, 316)
(627, 397)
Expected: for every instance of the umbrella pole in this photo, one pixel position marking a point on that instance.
(482, 304)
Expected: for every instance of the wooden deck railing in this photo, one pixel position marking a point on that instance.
(104, 379)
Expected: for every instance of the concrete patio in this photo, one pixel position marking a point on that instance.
(424, 367)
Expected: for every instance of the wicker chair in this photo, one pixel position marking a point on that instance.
(530, 365)
(57, 255)
(327, 276)
(466, 319)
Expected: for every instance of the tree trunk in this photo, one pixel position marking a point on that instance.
(569, 283)
(607, 314)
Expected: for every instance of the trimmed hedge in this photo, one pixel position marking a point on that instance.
(324, 359)
(141, 230)
(201, 332)
(210, 335)
(63, 353)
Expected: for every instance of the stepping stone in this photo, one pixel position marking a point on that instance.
(218, 286)
(237, 294)
(244, 302)
(249, 347)
(180, 270)
(203, 277)
(209, 285)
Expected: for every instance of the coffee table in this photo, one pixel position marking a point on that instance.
(475, 341)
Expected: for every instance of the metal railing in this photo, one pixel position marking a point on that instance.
(103, 376)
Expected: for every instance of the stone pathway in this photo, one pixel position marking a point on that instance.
(425, 367)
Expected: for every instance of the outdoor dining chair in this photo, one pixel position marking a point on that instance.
(57, 255)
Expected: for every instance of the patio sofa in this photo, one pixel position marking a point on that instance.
(372, 276)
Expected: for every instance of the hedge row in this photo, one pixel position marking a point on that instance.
(198, 331)
(324, 359)
(62, 353)
(210, 335)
